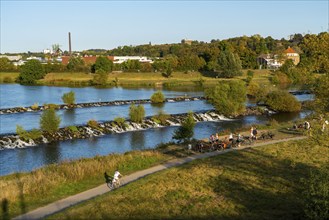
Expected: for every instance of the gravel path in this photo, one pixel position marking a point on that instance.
(86, 195)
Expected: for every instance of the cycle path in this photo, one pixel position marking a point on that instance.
(59, 205)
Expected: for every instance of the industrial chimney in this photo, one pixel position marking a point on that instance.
(70, 49)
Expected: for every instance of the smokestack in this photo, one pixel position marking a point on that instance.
(70, 49)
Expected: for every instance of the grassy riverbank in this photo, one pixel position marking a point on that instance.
(257, 183)
(136, 78)
(27, 191)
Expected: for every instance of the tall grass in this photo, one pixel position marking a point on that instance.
(53, 182)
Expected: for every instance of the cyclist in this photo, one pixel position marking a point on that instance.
(116, 177)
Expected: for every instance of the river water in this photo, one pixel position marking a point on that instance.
(27, 159)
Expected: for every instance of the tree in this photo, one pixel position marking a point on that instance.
(49, 121)
(75, 64)
(282, 101)
(103, 63)
(31, 71)
(228, 97)
(321, 92)
(158, 97)
(229, 64)
(69, 98)
(136, 113)
(6, 65)
(186, 131)
(100, 78)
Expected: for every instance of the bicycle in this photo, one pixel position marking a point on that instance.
(113, 185)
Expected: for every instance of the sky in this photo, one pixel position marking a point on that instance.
(36, 25)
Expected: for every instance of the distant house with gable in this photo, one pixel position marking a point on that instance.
(292, 54)
(271, 61)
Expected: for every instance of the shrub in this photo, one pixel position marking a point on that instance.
(228, 97)
(31, 71)
(93, 123)
(35, 106)
(186, 131)
(161, 118)
(121, 122)
(51, 106)
(316, 194)
(69, 98)
(73, 128)
(157, 97)
(100, 78)
(27, 135)
(282, 101)
(49, 121)
(136, 113)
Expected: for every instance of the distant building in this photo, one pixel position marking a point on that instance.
(270, 61)
(12, 58)
(292, 54)
(115, 59)
(121, 59)
(48, 51)
(187, 41)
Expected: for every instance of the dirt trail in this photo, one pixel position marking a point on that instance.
(86, 195)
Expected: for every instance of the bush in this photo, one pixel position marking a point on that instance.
(69, 98)
(157, 97)
(121, 122)
(73, 128)
(31, 71)
(228, 97)
(282, 101)
(136, 113)
(49, 121)
(35, 106)
(316, 194)
(100, 78)
(93, 123)
(186, 131)
(51, 106)
(161, 118)
(27, 135)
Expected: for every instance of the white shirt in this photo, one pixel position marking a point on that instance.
(116, 175)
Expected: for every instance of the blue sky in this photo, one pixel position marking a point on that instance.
(36, 25)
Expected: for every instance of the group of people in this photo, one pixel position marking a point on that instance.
(306, 126)
(214, 140)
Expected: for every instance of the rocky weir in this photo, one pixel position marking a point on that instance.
(93, 104)
(11, 141)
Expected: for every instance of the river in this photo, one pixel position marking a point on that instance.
(27, 159)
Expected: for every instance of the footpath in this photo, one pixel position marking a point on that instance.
(57, 206)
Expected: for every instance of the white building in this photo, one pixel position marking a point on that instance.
(121, 59)
(12, 58)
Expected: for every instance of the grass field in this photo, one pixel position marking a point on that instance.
(257, 183)
(136, 78)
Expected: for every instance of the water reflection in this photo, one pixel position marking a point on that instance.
(137, 140)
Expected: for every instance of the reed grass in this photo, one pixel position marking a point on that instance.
(53, 182)
(257, 183)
